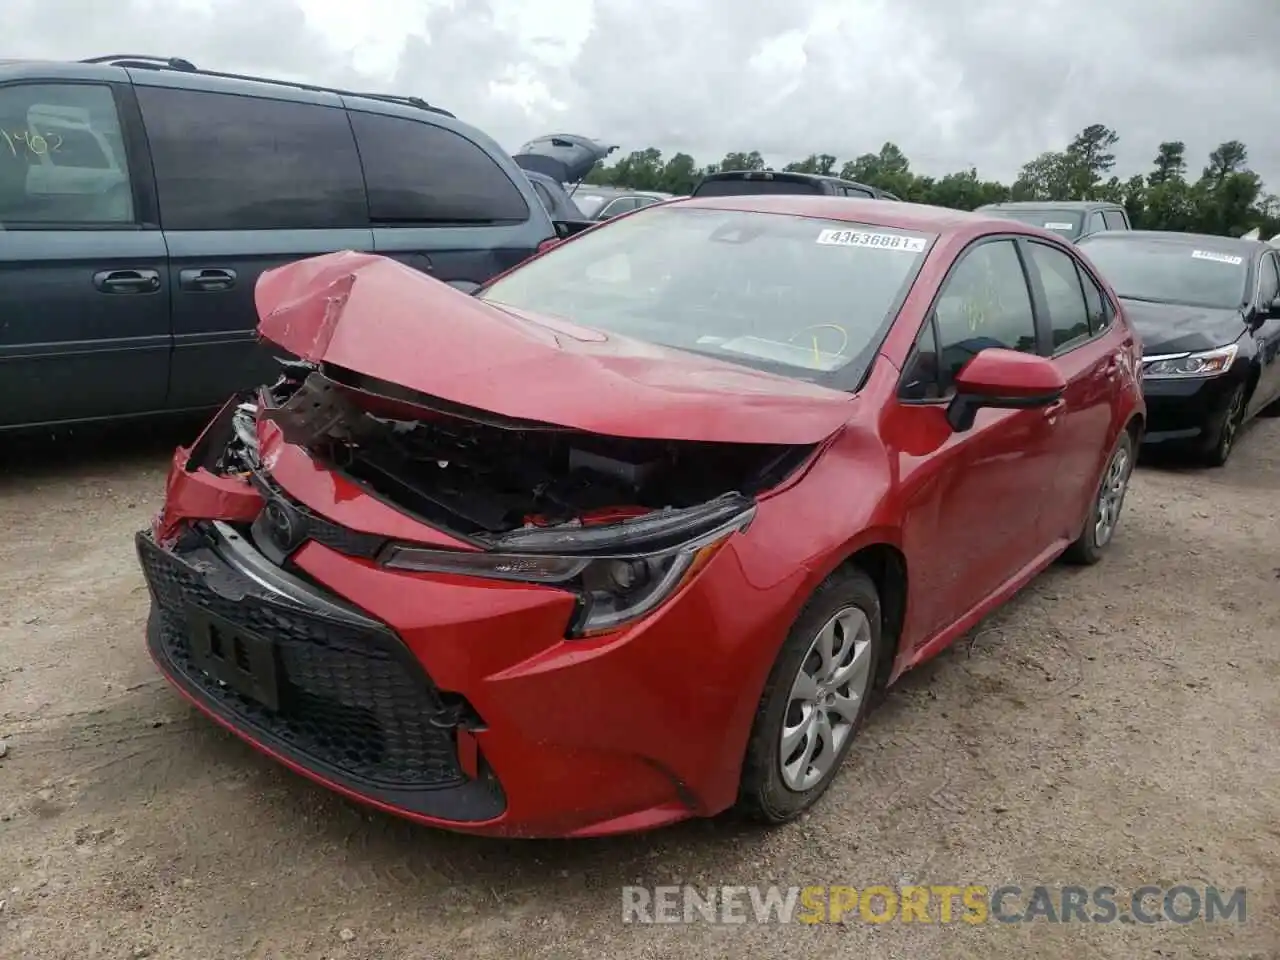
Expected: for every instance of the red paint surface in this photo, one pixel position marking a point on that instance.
(648, 725)
(380, 318)
(1008, 373)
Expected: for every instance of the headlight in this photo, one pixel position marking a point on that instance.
(613, 590)
(1207, 363)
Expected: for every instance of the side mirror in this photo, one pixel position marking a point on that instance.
(1005, 380)
(547, 244)
(1267, 312)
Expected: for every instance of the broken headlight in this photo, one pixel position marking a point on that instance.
(613, 590)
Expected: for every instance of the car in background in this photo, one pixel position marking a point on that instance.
(141, 198)
(473, 559)
(1072, 219)
(624, 201)
(737, 183)
(1208, 311)
(555, 198)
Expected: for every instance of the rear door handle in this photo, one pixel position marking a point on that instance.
(206, 279)
(127, 281)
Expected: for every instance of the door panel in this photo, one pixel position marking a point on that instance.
(1089, 358)
(974, 499)
(972, 508)
(245, 184)
(69, 351)
(1267, 337)
(215, 346)
(84, 303)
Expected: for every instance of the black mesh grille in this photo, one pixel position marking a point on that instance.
(353, 543)
(351, 698)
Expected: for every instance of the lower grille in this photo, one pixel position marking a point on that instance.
(351, 699)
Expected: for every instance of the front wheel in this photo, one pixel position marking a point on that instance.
(815, 700)
(1226, 429)
(1104, 515)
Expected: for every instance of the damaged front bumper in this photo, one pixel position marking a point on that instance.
(470, 683)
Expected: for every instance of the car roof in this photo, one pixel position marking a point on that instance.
(1175, 238)
(116, 69)
(1051, 205)
(885, 213)
(786, 175)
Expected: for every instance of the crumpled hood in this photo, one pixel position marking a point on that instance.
(374, 316)
(1174, 328)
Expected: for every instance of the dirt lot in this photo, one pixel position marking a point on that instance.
(1116, 725)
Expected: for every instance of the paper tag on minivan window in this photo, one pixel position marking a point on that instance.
(880, 241)
(1059, 226)
(1219, 257)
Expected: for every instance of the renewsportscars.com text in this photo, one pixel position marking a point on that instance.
(938, 903)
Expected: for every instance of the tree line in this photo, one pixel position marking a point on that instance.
(1227, 198)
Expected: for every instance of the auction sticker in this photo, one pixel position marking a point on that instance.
(1059, 226)
(1219, 257)
(880, 241)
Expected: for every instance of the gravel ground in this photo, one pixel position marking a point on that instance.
(1115, 725)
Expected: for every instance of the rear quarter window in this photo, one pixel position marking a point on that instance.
(418, 172)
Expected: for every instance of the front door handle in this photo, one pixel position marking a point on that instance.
(206, 279)
(1052, 410)
(127, 281)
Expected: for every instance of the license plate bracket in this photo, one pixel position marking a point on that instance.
(243, 660)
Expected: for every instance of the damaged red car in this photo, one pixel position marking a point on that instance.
(639, 530)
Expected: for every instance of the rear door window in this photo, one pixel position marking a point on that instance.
(230, 162)
(1096, 223)
(62, 157)
(1068, 310)
(1114, 220)
(421, 173)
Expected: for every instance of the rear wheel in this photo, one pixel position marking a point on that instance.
(1104, 515)
(816, 698)
(1226, 429)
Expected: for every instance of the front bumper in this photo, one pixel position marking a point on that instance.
(311, 681)
(614, 734)
(1185, 411)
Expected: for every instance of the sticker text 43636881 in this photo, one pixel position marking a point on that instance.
(877, 241)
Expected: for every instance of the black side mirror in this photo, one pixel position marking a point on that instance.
(1266, 312)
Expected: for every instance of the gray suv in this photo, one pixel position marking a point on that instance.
(140, 198)
(1072, 219)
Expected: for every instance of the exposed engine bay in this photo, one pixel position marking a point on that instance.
(478, 475)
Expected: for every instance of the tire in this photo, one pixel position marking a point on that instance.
(1094, 538)
(1226, 430)
(767, 794)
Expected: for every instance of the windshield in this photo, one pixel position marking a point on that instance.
(1194, 274)
(742, 187)
(793, 295)
(1057, 221)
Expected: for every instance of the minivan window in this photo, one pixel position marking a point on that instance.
(743, 187)
(418, 172)
(231, 162)
(62, 158)
(1115, 220)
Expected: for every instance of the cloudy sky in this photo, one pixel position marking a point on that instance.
(988, 83)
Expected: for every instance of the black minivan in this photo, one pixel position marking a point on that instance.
(141, 198)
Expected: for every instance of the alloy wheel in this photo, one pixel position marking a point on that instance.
(1111, 497)
(1231, 424)
(826, 697)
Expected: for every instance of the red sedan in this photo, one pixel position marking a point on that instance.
(636, 532)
